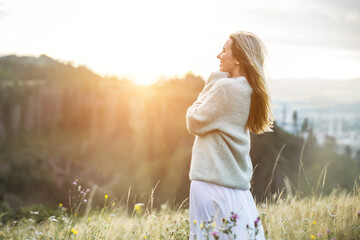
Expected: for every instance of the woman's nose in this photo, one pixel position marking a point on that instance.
(218, 56)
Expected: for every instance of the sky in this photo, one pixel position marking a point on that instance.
(143, 40)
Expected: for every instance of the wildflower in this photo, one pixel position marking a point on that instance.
(144, 237)
(234, 216)
(75, 183)
(194, 221)
(88, 190)
(75, 214)
(314, 222)
(328, 231)
(60, 204)
(74, 231)
(109, 219)
(201, 226)
(257, 221)
(85, 200)
(214, 233)
(89, 218)
(319, 234)
(214, 224)
(106, 196)
(312, 237)
(138, 207)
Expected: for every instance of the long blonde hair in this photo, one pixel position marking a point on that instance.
(250, 51)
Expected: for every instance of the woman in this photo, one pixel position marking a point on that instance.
(234, 101)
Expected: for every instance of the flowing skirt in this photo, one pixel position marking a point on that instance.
(210, 201)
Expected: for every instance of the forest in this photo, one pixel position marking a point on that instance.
(60, 123)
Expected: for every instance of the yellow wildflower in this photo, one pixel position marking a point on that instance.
(106, 196)
(109, 219)
(214, 224)
(60, 204)
(201, 226)
(194, 221)
(89, 218)
(314, 222)
(138, 207)
(75, 214)
(74, 231)
(312, 237)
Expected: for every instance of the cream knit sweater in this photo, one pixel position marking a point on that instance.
(220, 153)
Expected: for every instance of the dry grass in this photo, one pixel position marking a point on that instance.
(334, 216)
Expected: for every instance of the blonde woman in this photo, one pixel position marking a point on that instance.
(234, 101)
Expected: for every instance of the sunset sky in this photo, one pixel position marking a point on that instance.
(143, 39)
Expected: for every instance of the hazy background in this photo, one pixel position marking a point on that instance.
(98, 91)
(144, 39)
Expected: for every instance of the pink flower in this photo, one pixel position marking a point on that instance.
(257, 221)
(214, 233)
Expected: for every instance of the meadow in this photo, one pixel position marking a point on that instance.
(110, 134)
(335, 216)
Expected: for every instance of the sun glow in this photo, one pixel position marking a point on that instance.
(145, 39)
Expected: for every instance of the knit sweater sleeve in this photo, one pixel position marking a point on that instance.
(206, 113)
(214, 76)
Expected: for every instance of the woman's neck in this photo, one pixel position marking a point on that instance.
(236, 73)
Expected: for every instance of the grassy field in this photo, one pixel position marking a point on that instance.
(336, 216)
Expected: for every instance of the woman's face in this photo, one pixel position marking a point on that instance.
(227, 61)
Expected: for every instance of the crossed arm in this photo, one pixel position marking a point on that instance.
(205, 114)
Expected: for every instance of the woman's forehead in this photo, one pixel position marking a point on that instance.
(228, 44)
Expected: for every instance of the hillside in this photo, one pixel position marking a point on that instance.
(112, 134)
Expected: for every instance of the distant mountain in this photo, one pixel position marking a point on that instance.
(13, 67)
(319, 91)
(41, 61)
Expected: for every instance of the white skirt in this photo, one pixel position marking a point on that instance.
(210, 201)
